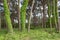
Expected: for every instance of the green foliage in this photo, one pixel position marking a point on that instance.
(12, 37)
(36, 34)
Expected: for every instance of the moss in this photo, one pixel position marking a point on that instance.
(7, 16)
(23, 14)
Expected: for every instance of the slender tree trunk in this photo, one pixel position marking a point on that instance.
(53, 10)
(56, 14)
(7, 16)
(13, 12)
(29, 21)
(44, 15)
(49, 13)
(0, 21)
(19, 15)
(23, 14)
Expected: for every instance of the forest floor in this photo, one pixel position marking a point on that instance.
(34, 34)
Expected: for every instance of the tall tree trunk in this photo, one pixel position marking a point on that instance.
(44, 25)
(29, 21)
(19, 15)
(13, 12)
(0, 21)
(23, 14)
(7, 16)
(49, 13)
(56, 14)
(44, 15)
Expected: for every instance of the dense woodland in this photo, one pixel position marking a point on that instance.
(29, 19)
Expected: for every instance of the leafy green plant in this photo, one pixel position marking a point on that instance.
(12, 37)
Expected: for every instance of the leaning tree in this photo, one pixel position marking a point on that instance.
(7, 16)
(29, 21)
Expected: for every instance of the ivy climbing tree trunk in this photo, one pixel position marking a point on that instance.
(49, 13)
(23, 14)
(56, 14)
(29, 21)
(7, 16)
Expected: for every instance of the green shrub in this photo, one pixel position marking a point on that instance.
(12, 37)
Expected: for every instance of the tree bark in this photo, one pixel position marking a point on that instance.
(29, 21)
(19, 15)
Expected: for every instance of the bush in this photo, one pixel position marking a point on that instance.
(12, 37)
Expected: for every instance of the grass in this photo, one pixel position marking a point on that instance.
(35, 34)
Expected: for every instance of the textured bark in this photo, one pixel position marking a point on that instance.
(7, 16)
(23, 14)
(29, 21)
